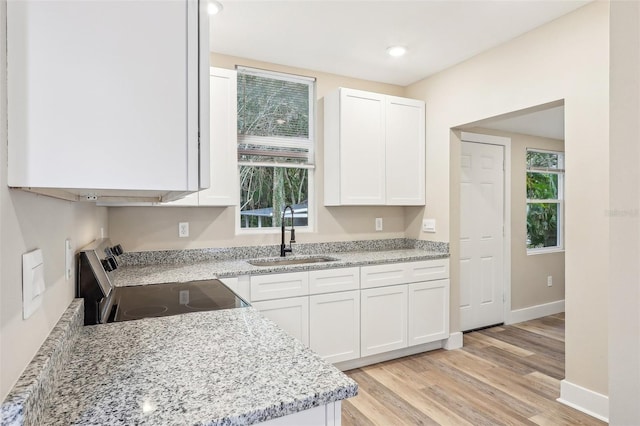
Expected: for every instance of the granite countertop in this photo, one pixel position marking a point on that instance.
(208, 269)
(220, 367)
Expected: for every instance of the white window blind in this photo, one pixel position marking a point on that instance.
(275, 118)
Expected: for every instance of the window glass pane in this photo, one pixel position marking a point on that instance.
(542, 225)
(543, 159)
(265, 191)
(272, 107)
(542, 186)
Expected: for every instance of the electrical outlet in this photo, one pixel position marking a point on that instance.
(68, 259)
(428, 225)
(549, 281)
(183, 229)
(378, 224)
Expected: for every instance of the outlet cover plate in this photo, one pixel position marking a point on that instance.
(428, 225)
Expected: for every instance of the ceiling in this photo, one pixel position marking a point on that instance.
(546, 123)
(350, 38)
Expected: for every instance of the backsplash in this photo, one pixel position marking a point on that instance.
(250, 252)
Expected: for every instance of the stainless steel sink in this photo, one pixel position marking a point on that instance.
(291, 261)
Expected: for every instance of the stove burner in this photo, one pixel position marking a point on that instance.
(145, 311)
(202, 305)
(157, 300)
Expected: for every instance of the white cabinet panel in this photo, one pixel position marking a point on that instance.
(104, 96)
(405, 151)
(383, 325)
(224, 185)
(428, 270)
(334, 322)
(355, 136)
(383, 275)
(291, 314)
(374, 148)
(428, 311)
(332, 280)
(276, 286)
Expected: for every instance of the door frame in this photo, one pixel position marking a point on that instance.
(505, 142)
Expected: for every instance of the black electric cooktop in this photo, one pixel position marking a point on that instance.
(158, 300)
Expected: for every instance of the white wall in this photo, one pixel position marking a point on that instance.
(27, 222)
(624, 280)
(152, 228)
(565, 59)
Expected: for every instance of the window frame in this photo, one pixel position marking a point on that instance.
(273, 140)
(560, 172)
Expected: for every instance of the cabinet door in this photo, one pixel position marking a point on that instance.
(428, 311)
(405, 151)
(334, 325)
(277, 286)
(362, 148)
(106, 91)
(383, 324)
(292, 315)
(223, 189)
(334, 280)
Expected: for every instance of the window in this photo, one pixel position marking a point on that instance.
(545, 193)
(275, 147)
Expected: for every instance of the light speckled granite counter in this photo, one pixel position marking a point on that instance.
(227, 367)
(172, 268)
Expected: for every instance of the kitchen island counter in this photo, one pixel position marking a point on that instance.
(227, 367)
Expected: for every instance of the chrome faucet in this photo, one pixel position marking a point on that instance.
(283, 247)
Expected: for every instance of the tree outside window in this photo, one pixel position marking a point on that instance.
(275, 146)
(545, 190)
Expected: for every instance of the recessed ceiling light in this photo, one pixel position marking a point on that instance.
(214, 7)
(396, 51)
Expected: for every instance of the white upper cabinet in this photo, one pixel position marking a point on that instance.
(374, 149)
(405, 151)
(104, 97)
(224, 189)
(354, 148)
(223, 158)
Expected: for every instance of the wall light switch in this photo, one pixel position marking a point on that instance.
(32, 282)
(428, 225)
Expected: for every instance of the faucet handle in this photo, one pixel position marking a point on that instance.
(293, 236)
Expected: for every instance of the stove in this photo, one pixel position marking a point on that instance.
(103, 302)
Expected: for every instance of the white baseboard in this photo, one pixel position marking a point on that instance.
(453, 342)
(582, 399)
(533, 312)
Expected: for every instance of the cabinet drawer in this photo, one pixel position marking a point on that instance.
(383, 275)
(278, 286)
(334, 280)
(428, 270)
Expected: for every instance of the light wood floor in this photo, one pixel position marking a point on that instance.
(503, 375)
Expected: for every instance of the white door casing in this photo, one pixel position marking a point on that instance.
(482, 241)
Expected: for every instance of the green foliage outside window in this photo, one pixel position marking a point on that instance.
(544, 177)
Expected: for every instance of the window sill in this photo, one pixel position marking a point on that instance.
(550, 250)
(278, 230)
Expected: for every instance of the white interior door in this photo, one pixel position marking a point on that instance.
(481, 235)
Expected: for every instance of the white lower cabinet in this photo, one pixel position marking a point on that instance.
(383, 324)
(291, 314)
(334, 325)
(344, 314)
(428, 312)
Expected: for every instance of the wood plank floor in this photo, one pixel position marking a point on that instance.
(507, 375)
